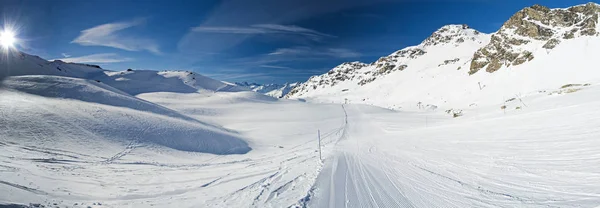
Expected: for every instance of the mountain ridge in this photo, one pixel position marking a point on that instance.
(273, 89)
(447, 62)
(130, 81)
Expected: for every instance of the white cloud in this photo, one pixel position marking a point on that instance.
(292, 29)
(306, 51)
(65, 55)
(231, 30)
(110, 35)
(97, 58)
(274, 67)
(248, 13)
(264, 29)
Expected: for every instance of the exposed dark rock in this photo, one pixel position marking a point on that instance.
(551, 43)
(538, 23)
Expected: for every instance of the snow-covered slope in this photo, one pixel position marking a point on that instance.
(17, 63)
(88, 102)
(273, 90)
(443, 71)
(538, 155)
(73, 142)
(65, 110)
(130, 81)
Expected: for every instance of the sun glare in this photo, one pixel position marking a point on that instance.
(7, 39)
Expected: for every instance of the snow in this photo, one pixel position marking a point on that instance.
(534, 157)
(88, 157)
(102, 114)
(67, 151)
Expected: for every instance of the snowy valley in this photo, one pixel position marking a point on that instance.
(464, 119)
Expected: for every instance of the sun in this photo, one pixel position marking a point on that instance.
(7, 39)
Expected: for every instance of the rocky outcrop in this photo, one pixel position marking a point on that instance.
(551, 43)
(536, 25)
(450, 34)
(342, 72)
(446, 62)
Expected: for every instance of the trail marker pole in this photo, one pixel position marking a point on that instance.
(319, 136)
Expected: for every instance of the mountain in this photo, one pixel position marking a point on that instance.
(273, 90)
(457, 67)
(130, 81)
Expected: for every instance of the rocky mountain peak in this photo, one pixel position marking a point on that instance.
(536, 25)
(451, 34)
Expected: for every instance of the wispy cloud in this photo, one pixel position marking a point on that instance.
(274, 67)
(65, 55)
(97, 58)
(306, 51)
(110, 35)
(265, 29)
(248, 19)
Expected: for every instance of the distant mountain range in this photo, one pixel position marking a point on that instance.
(273, 90)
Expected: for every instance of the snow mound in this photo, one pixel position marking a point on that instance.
(83, 90)
(94, 113)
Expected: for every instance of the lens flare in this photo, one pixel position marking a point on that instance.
(7, 39)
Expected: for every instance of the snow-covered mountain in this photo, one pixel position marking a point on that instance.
(130, 81)
(273, 90)
(445, 70)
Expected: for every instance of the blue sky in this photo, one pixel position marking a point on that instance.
(265, 41)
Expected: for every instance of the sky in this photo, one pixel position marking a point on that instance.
(263, 41)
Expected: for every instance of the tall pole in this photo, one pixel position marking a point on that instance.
(319, 136)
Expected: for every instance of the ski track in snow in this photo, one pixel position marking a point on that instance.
(348, 182)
